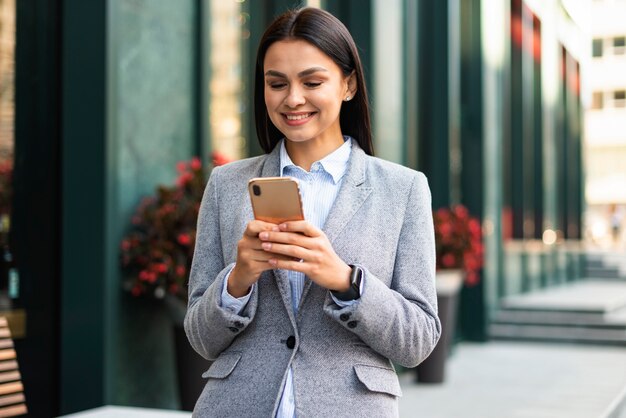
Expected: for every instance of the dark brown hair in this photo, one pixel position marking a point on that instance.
(326, 32)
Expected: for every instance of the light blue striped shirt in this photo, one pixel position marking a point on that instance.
(318, 188)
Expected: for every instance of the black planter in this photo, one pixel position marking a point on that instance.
(190, 366)
(432, 370)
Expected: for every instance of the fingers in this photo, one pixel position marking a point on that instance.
(255, 227)
(302, 227)
(290, 251)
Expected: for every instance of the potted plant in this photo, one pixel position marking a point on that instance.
(459, 248)
(156, 257)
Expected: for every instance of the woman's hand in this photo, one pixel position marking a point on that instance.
(299, 240)
(252, 260)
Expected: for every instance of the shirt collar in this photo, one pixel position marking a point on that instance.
(334, 163)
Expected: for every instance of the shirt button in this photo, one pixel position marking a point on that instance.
(291, 342)
(344, 316)
(352, 324)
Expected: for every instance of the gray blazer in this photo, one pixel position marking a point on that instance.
(341, 358)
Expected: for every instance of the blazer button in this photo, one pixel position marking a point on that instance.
(291, 342)
(344, 316)
(233, 329)
(352, 324)
(238, 324)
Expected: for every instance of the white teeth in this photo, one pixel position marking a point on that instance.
(298, 117)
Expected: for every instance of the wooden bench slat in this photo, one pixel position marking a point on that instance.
(6, 388)
(8, 365)
(7, 354)
(10, 376)
(13, 411)
(12, 399)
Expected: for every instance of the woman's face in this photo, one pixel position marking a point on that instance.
(304, 90)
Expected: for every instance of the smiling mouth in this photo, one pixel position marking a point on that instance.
(300, 116)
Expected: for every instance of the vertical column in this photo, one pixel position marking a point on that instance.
(35, 218)
(549, 74)
(388, 91)
(84, 287)
(494, 24)
(434, 157)
(472, 181)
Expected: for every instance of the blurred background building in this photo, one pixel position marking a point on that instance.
(487, 97)
(605, 120)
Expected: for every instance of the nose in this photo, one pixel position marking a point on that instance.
(294, 97)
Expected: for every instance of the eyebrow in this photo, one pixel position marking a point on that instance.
(309, 71)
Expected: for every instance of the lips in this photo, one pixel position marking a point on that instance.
(299, 118)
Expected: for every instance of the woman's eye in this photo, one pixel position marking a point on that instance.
(277, 86)
(312, 84)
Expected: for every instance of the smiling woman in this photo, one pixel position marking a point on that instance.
(304, 90)
(306, 317)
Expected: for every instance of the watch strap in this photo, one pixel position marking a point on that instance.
(354, 291)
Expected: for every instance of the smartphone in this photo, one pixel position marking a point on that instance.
(275, 199)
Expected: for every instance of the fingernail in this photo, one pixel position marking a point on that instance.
(272, 262)
(263, 235)
(266, 246)
(282, 226)
(275, 229)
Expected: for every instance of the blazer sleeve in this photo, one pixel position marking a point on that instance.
(400, 322)
(210, 327)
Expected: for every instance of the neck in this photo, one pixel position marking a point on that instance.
(304, 154)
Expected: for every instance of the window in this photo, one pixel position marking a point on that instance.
(619, 98)
(597, 47)
(619, 45)
(597, 101)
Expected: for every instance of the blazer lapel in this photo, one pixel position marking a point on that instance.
(271, 168)
(353, 192)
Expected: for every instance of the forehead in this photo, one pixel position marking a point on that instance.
(293, 56)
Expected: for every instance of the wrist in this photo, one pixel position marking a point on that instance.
(344, 282)
(234, 287)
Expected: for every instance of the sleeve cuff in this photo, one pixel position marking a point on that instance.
(231, 303)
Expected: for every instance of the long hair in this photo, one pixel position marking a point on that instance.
(327, 33)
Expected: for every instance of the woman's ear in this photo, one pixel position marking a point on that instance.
(351, 86)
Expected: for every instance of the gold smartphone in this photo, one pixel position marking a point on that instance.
(275, 199)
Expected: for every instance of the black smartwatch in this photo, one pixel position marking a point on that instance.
(354, 291)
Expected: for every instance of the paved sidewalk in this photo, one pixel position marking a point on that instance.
(522, 380)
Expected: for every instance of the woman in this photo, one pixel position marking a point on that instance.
(305, 318)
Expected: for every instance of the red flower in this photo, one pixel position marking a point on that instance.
(184, 239)
(156, 254)
(183, 179)
(160, 268)
(447, 260)
(196, 164)
(219, 159)
(181, 166)
(458, 240)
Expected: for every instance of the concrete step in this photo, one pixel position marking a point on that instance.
(615, 318)
(599, 296)
(570, 334)
(606, 264)
(590, 311)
